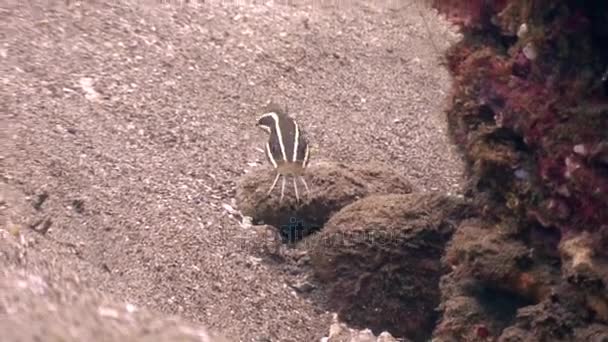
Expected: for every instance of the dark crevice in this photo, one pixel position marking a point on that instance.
(500, 305)
(507, 136)
(486, 114)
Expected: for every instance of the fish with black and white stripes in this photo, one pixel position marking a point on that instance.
(287, 147)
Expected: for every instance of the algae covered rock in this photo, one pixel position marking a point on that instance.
(562, 317)
(484, 252)
(492, 276)
(380, 257)
(530, 113)
(332, 186)
(587, 270)
(536, 136)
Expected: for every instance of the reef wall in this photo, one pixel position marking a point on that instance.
(530, 113)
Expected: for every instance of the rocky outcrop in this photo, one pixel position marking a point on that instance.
(529, 111)
(381, 260)
(332, 186)
(492, 276)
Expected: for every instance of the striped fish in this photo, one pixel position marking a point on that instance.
(287, 147)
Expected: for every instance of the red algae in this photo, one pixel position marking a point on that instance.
(540, 89)
(530, 112)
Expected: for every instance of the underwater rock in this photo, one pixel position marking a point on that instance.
(341, 332)
(463, 316)
(541, 113)
(484, 252)
(588, 271)
(332, 186)
(530, 113)
(592, 333)
(473, 15)
(380, 258)
(561, 317)
(493, 275)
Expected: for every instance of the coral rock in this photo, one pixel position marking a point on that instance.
(493, 275)
(529, 111)
(588, 271)
(593, 333)
(380, 257)
(484, 252)
(332, 186)
(559, 318)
